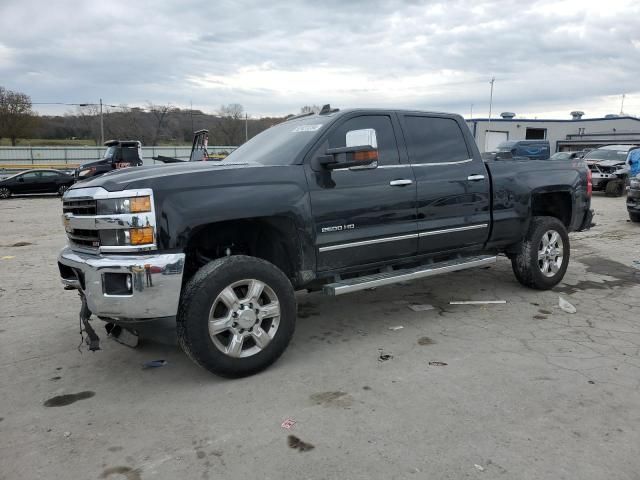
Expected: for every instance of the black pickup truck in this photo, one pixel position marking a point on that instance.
(338, 201)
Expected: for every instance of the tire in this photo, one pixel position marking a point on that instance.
(62, 189)
(531, 270)
(634, 217)
(614, 188)
(4, 193)
(210, 293)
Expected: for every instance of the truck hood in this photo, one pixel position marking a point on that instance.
(119, 179)
(606, 163)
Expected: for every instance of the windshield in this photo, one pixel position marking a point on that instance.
(281, 144)
(110, 152)
(602, 154)
(561, 156)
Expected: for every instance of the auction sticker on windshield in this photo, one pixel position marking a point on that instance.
(307, 128)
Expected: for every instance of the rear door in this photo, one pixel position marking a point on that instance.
(49, 181)
(363, 215)
(452, 187)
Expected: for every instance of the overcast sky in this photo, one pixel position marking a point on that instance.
(548, 57)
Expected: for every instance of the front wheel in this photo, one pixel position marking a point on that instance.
(615, 188)
(5, 193)
(62, 189)
(236, 316)
(634, 217)
(542, 257)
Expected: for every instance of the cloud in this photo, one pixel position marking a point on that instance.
(274, 57)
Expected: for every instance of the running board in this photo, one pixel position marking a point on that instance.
(388, 278)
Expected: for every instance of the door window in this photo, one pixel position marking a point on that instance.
(30, 176)
(49, 175)
(369, 129)
(434, 140)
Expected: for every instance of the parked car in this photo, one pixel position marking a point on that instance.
(566, 155)
(119, 154)
(609, 169)
(531, 149)
(338, 201)
(35, 181)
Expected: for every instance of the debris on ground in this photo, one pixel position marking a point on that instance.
(154, 364)
(477, 302)
(438, 364)
(566, 306)
(421, 307)
(383, 357)
(67, 434)
(7, 257)
(297, 444)
(20, 244)
(288, 424)
(397, 327)
(425, 341)
(479, 467)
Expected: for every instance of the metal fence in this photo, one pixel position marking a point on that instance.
(24, 157)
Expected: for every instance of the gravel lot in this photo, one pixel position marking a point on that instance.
(528, 391)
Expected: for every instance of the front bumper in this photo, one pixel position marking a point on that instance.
(156, 282)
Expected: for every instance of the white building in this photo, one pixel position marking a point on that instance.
(564, 135)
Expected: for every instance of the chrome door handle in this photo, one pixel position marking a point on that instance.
(400, 183)
(475, 178)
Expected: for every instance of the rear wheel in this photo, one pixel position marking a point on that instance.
(634, 217)
(237, 316)
(615, 188)
(5, 192)
(542, 257)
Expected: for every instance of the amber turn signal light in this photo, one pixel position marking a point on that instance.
(141, 236)
(368, 156)
(140, 204)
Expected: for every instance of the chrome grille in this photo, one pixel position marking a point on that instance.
(86, 238)
(79, 207)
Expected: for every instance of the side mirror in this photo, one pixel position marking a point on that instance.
(361, 150)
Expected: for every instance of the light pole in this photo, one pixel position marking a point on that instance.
(101, 116)
(493, 79)
(246, 127)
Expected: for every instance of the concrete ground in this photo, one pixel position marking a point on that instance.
(528, 391)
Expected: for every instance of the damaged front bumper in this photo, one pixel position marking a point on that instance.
(125, 287)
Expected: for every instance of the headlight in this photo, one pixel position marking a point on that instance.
(130, 236)
(114, 206)
(88, 171)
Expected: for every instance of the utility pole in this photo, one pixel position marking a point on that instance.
(191, 112)
(622, 104)
(246, 127)
(493, 79)
(101, 124)
(471, 112)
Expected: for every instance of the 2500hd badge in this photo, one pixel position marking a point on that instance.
(338, 228)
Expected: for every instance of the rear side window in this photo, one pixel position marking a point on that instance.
(434, 140)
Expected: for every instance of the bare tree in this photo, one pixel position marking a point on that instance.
(17, 119)
(231, 124)
(310, 109)
(159, 113)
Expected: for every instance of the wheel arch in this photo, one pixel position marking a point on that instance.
(558, 204)
(274, 239)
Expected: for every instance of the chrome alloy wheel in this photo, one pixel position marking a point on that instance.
(244, 318)
(5, 192)
(550, 253)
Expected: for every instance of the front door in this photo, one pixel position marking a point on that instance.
(363, 215)
(453, 187)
